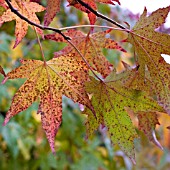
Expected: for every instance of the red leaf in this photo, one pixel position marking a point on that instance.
(53, 6)
(92, 4)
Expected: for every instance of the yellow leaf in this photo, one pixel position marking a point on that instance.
(149, 45)
(48, 81)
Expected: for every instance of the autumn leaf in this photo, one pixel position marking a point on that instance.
(109, 100)
(90, 47)
(53, 6)
(2, 71)
(147, 124)
(48, 82)
(92, 4)
(27, 9)
(132, 78)
(149, 45)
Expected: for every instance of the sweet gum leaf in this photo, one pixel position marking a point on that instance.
(109, 101)
(149, 45)
(28, 10)
(48, 81)
(90, 46)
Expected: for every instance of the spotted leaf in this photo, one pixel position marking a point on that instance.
(48, 81)
(149, 45)
(110, 99)
(53, 6)
(90, 46)
(28, 10)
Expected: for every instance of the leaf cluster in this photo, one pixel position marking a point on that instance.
(81, 72)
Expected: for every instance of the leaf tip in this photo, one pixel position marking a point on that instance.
(16, 43)
(4, 80)
(133, 161)
(168, 127)
(5, 121)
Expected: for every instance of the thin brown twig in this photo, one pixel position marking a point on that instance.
(101, 15)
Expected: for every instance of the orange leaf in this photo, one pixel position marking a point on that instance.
(27, 9)
(90, 46)
(48, 81)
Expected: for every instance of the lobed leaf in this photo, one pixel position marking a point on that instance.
(28, 10)
(149, 45)
(90, 46)
(48, 82)
(109, 100)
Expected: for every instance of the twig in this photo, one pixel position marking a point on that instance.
(95, 26)
(34, 24)
(100, 15)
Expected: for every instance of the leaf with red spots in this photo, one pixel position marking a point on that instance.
(90, 46)
(109, 100)
(92, 4)
(2, 71)
(48, 82)
(149, 45)
(28, 10)
(53, 6)
(147, 124)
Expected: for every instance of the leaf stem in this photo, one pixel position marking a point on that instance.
(96, 26)
(41, 49)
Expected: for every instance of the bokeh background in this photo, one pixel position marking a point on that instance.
(23, 145)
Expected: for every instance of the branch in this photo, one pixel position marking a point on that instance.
(95, 26)
(100, 15)
(15, 11)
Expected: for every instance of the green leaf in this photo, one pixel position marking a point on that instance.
(109, 100)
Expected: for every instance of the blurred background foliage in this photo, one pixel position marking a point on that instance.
(23, 144)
